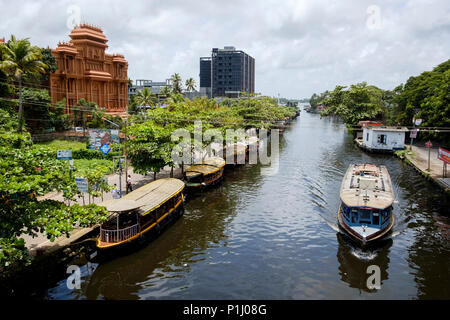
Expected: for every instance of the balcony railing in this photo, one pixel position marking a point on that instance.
(113, 236)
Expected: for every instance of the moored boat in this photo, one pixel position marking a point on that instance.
(206, 173)
(366, 212)
(138, 216)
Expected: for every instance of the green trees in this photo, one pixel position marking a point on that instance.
(316, 99)
(19, 58)
(359, 102)
(25, 174)
(150, 146)
(427, 97)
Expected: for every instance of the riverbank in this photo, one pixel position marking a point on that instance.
(41, 245)
(417, 157)
(50, 259)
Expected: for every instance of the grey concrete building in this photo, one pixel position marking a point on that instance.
(227, 72)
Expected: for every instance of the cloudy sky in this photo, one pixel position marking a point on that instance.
(300, 46)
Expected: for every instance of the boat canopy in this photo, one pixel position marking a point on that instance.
(147, 197)
(120, 205)
(208, 165)
(367, 185)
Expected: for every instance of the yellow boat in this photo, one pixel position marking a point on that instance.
(139, 215)
(206, 173)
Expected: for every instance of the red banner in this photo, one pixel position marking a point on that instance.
(444, 155)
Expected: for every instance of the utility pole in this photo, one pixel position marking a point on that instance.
(125, 147)
(120, 165)
(429, 145)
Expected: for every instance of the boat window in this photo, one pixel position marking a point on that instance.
(354, 216)
(381, 139)
(376, 218)
(364, 216)
(346, 211)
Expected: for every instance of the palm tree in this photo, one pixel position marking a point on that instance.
(190, 84)
(176, 83)
(21, 58)
(165, 91)
(145, 98)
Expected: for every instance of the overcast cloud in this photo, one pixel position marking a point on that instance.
(300, 47)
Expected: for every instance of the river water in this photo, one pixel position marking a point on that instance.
(274, 236)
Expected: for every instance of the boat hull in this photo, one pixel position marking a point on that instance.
(97, 254)
(372, 238)
(200, 186)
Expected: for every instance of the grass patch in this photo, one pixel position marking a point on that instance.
(56, 145)
(83, 165)
(403, 153)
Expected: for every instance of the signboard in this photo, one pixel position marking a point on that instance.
(82, 184)
(99, 137)
(428, 144)
(444, 155)
(105, 149)
(64, 154)
(417, 122)
(413, 133)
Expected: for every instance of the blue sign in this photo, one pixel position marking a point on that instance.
(64, 154)
(82, 184)
(105, 148)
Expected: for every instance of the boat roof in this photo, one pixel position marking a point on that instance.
(367, 185)
(208, 165)
(120, 205)
(387, 128)
(147, 197)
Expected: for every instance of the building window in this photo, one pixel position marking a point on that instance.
(382, 138)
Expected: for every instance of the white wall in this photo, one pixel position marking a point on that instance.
(394, 139)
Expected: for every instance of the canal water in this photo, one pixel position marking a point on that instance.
(274, 236)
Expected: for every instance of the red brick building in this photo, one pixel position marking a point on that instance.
(86, 71)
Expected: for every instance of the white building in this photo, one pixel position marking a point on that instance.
(383, 138)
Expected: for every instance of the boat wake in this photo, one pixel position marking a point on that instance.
(364, 254)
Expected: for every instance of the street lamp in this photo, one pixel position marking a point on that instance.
(120, 166)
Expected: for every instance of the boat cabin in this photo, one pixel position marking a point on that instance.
(140, 211)
(383, 138)
(205, 173)
(371, 217)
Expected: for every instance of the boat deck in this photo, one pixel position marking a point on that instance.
(367, 185)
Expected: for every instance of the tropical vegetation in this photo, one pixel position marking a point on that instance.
(426, 97)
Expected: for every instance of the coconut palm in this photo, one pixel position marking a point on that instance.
(176, 83)
(165, 91)
(20, 58)
(190, 84)
(145, 98)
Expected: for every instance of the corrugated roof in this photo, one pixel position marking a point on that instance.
(146, 197)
